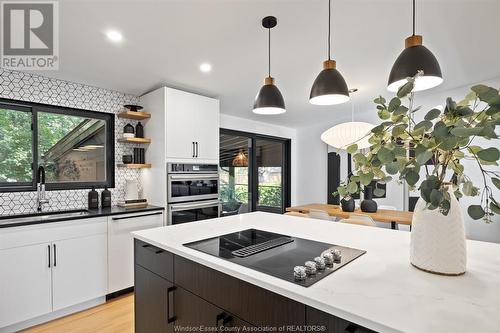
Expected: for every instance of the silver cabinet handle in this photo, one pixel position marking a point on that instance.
(213, 176)
(193, 205)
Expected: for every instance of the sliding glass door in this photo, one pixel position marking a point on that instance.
(254, 173)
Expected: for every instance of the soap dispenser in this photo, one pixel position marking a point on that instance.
(93, 199)
(106, 198)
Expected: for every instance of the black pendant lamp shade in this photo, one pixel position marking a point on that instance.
(329, 88)
(414, 58)
(269, 100)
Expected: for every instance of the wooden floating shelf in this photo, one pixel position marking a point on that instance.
(134, 140)
(135, 166)
(137, 115)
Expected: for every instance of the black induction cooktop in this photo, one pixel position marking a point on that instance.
(273, 254)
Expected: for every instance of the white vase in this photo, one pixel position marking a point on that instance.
(438, 241)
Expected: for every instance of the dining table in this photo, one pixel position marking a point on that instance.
(394, 217)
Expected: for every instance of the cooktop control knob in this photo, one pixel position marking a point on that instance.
(337, 255)
(299, 272)
(310, 267)
(320, 263)
(328, 257)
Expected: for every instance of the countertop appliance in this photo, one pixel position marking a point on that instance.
(274, 254)
(192, 192)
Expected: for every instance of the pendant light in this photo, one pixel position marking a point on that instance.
(269, 100)
(415, 57)
(240, 160)
(345, 134)
(329, 88)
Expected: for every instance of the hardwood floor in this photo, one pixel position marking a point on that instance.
(116, 315)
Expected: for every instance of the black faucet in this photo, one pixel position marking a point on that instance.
(40, 189)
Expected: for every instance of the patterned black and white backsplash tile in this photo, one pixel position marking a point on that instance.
(38, 89)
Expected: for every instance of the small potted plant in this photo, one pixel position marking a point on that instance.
(436, 146)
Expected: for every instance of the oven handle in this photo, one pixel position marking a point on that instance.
(194, 177)
(186, 206)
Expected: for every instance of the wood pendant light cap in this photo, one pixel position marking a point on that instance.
(329, 64)
(269, 80)
(413, 40)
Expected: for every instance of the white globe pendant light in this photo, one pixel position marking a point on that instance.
(345, 134)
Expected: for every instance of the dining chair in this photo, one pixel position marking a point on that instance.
(319, 214)
(359, 222)
(296, 214)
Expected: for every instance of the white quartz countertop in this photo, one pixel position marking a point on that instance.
(379, 290)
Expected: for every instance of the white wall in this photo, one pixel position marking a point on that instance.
(252, 126)
(312, 162)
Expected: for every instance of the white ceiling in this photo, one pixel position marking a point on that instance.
(165, 41)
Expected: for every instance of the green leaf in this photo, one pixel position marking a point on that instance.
(432, 114)
(494, 208)
(384, 180)
(485, 93)
(398, 130)
(488, 132)
(412, 177)
(489, 154)
(385, 155)
(379, 100)
(436, 197)
(394, 104)
(342, 191)
(440, 130)
(352, 187)
(464, 111)
(424, 124)
(476, 212)
(405, 89)
(392, 168)
(352, 148)
(423, 157)
(444, 207)
(384, 114)
(401, 110)
(496, 182)
(466, 131)
(378, 129)
(468, 188)
(359, 158)
(378, 192)
(366, 178)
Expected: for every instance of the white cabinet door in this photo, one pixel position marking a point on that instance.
(207, 134)
(182, 113)
(121, 246)
(25, 283)
(79, 271)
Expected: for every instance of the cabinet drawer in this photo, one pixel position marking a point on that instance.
(154, 259)
(253, 304)
(332, 324)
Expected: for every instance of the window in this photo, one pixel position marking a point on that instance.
(75, 147)
(254, 173)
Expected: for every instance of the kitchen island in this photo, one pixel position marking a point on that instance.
(180, 287)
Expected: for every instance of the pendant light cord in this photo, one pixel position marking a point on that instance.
(269, 53)
(413, 17)
(329, 28)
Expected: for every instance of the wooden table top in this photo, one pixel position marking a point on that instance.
(382, 215)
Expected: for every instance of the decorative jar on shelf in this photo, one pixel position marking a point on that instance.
(347, 205)
(368, 205)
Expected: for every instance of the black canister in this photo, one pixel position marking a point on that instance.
(106, 198)
(128, 131)
(368, 205)
(347, 205)
(137, 158)
(93, 199)
(139, 130)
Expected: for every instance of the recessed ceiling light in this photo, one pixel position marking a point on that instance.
(205, 67)
(114, 36)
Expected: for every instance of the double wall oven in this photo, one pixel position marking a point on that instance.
(192, 192)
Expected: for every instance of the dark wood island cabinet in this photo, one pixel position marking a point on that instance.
(174, 294)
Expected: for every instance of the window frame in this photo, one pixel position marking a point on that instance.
(34, 109)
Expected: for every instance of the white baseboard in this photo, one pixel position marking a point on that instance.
(52, 315)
